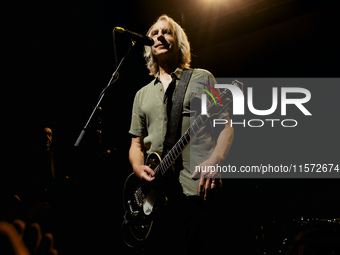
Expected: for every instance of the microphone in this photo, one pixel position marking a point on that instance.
(137, 37)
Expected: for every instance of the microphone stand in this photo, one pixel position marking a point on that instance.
(101, 96)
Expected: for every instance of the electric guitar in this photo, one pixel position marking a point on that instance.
(141, 200)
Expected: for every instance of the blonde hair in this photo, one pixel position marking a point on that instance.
(182, 42)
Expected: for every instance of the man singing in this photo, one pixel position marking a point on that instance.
(188, 213)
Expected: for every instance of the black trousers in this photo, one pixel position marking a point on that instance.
(186, 225)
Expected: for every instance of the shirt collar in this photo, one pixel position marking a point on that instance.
(177, 73)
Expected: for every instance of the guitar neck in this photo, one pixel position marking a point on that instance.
(225, 98)
(177, 149)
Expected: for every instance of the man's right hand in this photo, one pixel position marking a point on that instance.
(136, 157)
(144, 172)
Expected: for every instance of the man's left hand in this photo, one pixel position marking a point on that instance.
(210, 180)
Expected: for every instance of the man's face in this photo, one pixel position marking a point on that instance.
(165, 42)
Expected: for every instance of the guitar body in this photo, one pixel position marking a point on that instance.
(140, 198)
(140, 201)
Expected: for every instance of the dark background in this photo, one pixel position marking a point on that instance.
(57, 57)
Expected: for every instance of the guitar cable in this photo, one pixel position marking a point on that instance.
(125, 223)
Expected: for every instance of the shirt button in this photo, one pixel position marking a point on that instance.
(165, 119)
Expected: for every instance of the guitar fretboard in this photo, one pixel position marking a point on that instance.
(180, 145)
(169, 159)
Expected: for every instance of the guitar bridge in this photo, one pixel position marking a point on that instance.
(139, 197)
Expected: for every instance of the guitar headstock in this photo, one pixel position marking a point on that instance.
(238, 84)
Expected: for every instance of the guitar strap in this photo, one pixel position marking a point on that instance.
(173, 128)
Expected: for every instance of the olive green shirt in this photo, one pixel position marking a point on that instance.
(149, 120)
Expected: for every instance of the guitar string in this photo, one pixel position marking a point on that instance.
(173, 154)
(179, 146)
